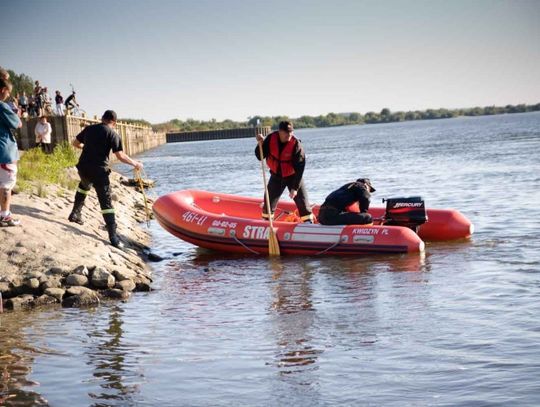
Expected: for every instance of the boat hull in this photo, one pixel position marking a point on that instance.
(232, 223)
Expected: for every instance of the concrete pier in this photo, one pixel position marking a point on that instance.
(245, 132)
(135, 139)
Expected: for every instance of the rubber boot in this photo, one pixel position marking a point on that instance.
(75, 215)
(110, 222)
(113, 236)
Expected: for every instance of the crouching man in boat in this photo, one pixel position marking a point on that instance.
(336, 209)
(286, 159)
(97, 141)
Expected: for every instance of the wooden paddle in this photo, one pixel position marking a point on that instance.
(273, 244)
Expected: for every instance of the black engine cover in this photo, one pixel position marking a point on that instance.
(409, 212)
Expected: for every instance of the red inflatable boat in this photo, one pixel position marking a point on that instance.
(233, 223)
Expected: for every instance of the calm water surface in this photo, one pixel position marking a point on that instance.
(458, 326)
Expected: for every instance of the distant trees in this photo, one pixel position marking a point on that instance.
(21, 83)
(343, 119)
(355, 118)
(385, 115)
(197, 125)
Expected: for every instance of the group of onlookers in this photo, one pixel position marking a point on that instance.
(40, 103)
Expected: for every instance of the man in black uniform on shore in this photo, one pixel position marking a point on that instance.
(286, 159)
(97, 141)
(334, 209)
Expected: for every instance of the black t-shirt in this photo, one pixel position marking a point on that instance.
(99, 140)
(69, 99)
(59, 99)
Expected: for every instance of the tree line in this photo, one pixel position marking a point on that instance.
(343, 119)
(23, 82)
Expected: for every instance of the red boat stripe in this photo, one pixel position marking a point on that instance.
(254, 244)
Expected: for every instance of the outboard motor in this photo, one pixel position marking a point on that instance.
(409, 212)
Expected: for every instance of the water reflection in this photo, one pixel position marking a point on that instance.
(294, 316)
(109, 355)
(293, 319)
(16, 360)
(301, 321)
(409, 263)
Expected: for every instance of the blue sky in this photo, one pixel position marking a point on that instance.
(204, 59)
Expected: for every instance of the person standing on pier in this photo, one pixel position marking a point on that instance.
(59, 101)
(97, 141)
(286, 159)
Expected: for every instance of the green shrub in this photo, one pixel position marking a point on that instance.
(39, 169)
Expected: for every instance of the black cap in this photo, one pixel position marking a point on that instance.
(367, 182)
(109, 115)
(286, 126)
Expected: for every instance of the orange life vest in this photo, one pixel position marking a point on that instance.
(275, 160)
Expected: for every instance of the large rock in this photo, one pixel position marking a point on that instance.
(101, 278)
(21, 302)
(76, 279)
(81, 270)
(142, 284)
(58, 271)
(44, 300)
(57, 293)
(32, 284)
(126, 285)
(83, 300)
(78, 291)
(52, 282)
(115, 294)
(124, 274)
(34, 274)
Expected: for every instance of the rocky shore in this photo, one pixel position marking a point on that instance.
(49, 261)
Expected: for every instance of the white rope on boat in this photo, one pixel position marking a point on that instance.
(328, 248)
(244, 246)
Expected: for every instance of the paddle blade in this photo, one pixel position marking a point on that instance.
(273, 244)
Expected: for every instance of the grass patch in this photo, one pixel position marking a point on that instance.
(36, 168)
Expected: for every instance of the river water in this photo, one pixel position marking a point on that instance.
(457, 326)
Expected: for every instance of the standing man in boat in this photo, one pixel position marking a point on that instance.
(97, 141)
(286, 159)
(336, 209)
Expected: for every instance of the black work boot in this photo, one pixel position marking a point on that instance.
(75, 215)
(113, 236)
